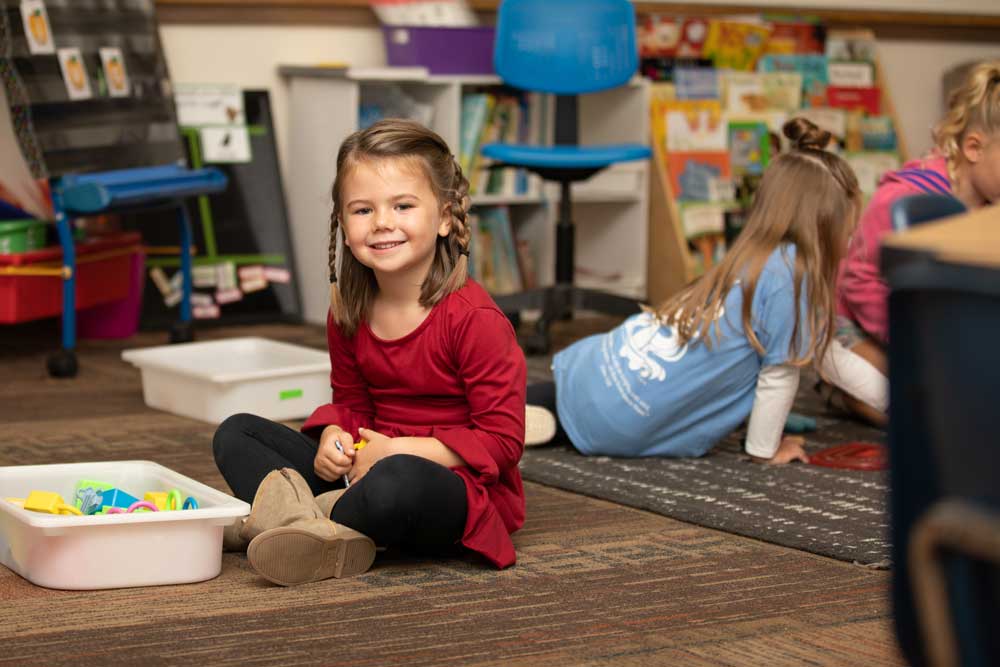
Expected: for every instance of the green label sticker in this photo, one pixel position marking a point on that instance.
(289, 393)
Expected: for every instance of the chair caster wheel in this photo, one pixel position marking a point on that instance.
(62, 364)
(181, 332)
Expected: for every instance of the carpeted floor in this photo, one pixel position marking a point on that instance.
(831, 512)
(596, 583)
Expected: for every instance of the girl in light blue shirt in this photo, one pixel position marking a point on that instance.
(674, 381)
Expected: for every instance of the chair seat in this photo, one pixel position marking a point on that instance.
(565, 157)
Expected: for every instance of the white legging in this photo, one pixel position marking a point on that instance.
(856, 376)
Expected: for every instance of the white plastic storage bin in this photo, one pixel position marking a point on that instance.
(114, 550)
(213, 380)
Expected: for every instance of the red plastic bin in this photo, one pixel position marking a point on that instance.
(106, 278)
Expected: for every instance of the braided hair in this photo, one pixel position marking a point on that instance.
(352, 285)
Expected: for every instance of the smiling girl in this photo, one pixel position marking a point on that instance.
(425, 369)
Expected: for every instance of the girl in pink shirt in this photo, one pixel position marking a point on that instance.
(964, 165)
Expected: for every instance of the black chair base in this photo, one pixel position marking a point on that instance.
(559, 302)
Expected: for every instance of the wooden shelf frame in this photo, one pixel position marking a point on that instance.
(885, 23)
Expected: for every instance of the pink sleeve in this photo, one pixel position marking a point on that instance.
(351, 406)
(493, 369)
(861, 290)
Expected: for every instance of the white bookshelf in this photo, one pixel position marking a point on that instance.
(610, 210)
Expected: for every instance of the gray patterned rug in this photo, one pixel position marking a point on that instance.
(837, 513)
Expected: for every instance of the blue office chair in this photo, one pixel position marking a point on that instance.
(566, 48)
(916, 209)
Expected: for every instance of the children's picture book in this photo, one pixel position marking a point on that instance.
(664, 68)
(855, 99)
(796, 38)
(877, 133)
(695, 125)
(812, 67)
(851, 45)
(476, 110)
(744, 92)
(749, 147)
(494, 256)
(783, 90)
(735, 44)
(658, 36)
(700, 218)
(696, 83)
(851, 74)
(700, 176)
(693, 34)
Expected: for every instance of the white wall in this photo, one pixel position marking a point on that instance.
(249, 56)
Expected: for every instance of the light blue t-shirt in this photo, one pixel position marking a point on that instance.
(634, 392)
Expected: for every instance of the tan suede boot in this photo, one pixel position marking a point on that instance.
(282, 498)
(326, 501)
(310, 550)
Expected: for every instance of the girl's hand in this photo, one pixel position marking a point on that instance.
(790, 449)
(330, 463)
(378, 447)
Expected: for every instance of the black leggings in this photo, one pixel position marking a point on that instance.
(403, 500)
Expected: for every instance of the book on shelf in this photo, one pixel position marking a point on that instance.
(762, 91)
(488, 118)
(749, 147)
(863, 99)
(735, 45)
(700, 176)
(694, 125)
(494, 256)
(476, 110)
(847, 74)
(811, 66)
(796, 37)
(851, 45)
(696, 83)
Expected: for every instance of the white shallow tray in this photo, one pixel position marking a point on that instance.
(117, 550)
(212, 380)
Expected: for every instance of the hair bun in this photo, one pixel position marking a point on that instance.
(805, 135)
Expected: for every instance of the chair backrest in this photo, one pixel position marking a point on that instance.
(565, 47)
(916, 209)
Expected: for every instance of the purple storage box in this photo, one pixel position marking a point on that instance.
(117, 319)
(441, 50)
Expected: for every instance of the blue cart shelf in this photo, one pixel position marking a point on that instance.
(120, 191)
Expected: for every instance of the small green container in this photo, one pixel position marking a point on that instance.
(21, 236)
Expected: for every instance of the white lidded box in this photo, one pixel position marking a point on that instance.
(215, 379)
(113, 550)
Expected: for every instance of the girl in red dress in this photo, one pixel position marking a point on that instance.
(426, 372)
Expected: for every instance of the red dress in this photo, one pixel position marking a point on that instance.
(459, 377)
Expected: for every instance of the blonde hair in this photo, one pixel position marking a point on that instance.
(808, 197)
(975, 105)
(353, 288)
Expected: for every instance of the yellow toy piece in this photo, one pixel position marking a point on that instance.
(48, 502)
(360, 445)
(158, 498)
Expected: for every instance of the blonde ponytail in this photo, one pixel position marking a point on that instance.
(975, 105)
